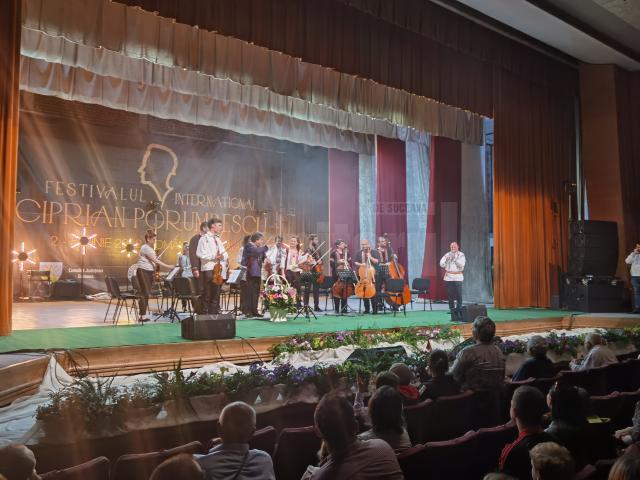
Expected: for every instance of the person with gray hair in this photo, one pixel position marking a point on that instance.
(598, 354)
(538, 366)
(550, 461)
(480, 366)
(17, 462)
(233, 459)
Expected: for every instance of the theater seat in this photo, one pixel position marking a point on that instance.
(608, 406)
(596, 383)
(577, 378)
(296, 449)
(450, 417)
(416, 418)
(629, 400)
(139, 466)
(451, 458)
(96, 469)
(489, 444)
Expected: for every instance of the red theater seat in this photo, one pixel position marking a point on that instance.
(489, 444)
(416, 417)
(138, 466)
(96, 469)
(450, 417)
(296, 449)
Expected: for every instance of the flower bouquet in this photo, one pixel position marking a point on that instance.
(279, 298)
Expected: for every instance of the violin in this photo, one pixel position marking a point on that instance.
(366, 285)
(217, 274)
(396, 271)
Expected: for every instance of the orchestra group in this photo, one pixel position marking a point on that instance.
(367, 272)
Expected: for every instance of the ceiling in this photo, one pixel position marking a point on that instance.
(591, 31)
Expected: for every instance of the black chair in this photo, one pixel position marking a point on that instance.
(153, 293)
(394, 291)
(185, 290)
(122, 299)
(325, 289)
(421, 286)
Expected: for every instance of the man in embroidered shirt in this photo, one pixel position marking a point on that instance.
(233, 459)
(453, 263)
(634, 260)
(598, 354)
(211, 251)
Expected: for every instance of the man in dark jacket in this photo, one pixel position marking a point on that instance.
(195, 262)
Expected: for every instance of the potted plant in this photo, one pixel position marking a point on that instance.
(140, 404)
(279, 298)
(207, 395)
(173, 390)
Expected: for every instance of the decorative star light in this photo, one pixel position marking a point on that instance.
(22, 257)
(129, 247)
(83, 241)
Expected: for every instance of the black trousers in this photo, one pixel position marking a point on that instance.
(370, 304)
(308, 287)
(145, 279)
(253, 294)
(211, 293)
(340, 304)
(294, 280)
(454, 292)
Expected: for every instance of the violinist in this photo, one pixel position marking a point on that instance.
(292, 270)
(339, 260)
(312, 255)
(276, 258)
(364, 255)
(382, 269)
(211, 251)
(253, 255)
(147, 262)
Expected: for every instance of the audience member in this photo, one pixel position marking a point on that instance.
(627, 467)
(410, 394)
(550, 461)
(527, 408)
(598, 354)
(569, 425)
(17, 462)
(441, 383)
(538, 366)
(480, 366)
(347, 456)
(631, 434)
(387, 378)
(233, 458)
(182, 467)
(385, 411)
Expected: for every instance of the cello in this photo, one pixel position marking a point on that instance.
(342, 289)
(396, 271)
(366, 287)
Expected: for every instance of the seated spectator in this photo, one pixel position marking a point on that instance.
(627, 467)
(538, 366)
(480, 366)
(631, 434)
(233, 456)
(17, 462)
(347, 456)
(441, 383)
(550, 461)
(598, 354)
(527, 408)
(569, 425)
(385, 411)
(183, 467)
(387, 378)
(410, 394)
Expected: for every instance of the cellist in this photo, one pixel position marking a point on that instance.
(366, 253)
(339, 260)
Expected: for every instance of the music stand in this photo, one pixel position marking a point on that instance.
(236, 277)
(306, 279)
(346, 276)
(171, 311)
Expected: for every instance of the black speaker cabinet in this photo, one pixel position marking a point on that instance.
(468, 313)
(597, 296)
(593, 248)
(209, 327)
(65, 289)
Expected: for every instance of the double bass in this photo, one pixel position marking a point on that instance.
(366, 287)
(396, 271)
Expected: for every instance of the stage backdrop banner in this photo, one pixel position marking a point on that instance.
(118, 174)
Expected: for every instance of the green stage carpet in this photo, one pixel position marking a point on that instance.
(113, 336)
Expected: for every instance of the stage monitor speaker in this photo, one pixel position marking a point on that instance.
(65, 289)
(593, 248)
(209, 327)
(595, 297)
(468, 313)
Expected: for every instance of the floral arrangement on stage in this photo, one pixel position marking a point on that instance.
(280, 296)
(364, 339)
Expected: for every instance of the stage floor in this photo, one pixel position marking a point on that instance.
(71, 325)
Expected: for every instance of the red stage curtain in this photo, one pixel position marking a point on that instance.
(344, 210)
(443, 221)
(408, 44)
(533, 156)
(391, 193)
(9, 107)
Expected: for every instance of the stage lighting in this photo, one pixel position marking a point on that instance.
(83, 241)
(22, 257)
(129, 248)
